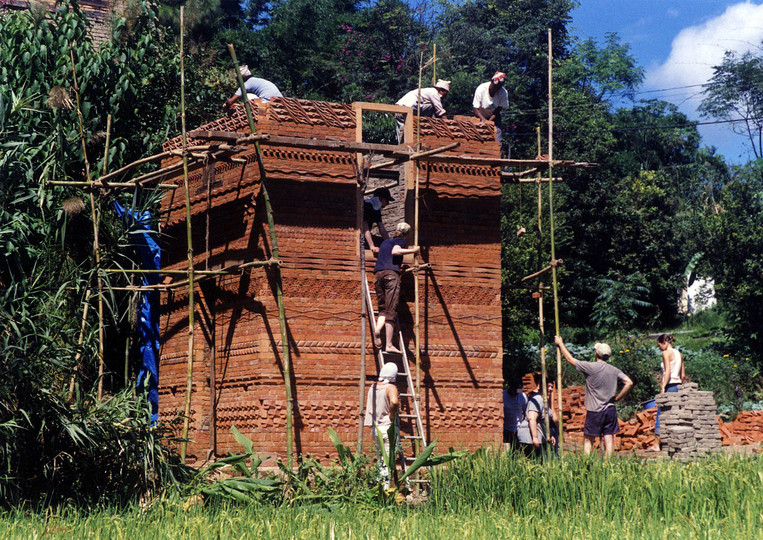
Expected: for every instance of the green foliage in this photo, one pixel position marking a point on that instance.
(615, 309)
(732, 376)
(735, 93)
(736, 255)
(311, 484)
(588, 486)
(608, 72)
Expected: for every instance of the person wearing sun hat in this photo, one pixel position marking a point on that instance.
(429, 103)
(255, 88)
(600, 395)
(490, 98)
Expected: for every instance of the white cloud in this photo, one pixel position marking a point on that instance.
(696, 49)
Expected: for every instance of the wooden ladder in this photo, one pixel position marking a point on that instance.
(413, 414)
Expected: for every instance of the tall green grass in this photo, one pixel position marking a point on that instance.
(485, 496)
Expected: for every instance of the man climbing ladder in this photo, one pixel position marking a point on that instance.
(387, 283)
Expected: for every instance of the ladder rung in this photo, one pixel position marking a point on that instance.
(411, 437)
(407, 395)
(407, 415)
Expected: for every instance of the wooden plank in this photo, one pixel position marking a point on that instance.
(416, 156)
(218, 135)
(380, 107)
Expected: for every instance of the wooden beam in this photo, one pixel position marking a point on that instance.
(101, 185)
(415, 156)
(508, 178)
(554, 264)
(381, 107)
(228, 136)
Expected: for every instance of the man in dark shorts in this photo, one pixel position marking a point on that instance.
(387, 280)
(600, 395)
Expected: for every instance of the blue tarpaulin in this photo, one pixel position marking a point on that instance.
(139, 225)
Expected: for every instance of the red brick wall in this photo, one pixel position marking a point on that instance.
(313, 197)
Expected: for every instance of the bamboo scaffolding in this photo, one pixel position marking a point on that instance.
(189, 240)
(509, 178)
(539, 295)
(551, 232)
(277, 268)
(168, 154)
(98, 185)
(397, 151)
(95, 216)
(547, 269)
(362, 182)
(222, 271)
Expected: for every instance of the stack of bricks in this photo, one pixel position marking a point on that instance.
(747, 428)
(688, 423)
(638, 433)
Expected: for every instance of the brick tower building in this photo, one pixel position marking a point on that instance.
(238, 365)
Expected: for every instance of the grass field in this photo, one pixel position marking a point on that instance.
(484, 496)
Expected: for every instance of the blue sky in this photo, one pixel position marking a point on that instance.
(678, 42)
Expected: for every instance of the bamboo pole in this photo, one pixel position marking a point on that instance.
(100, 185)
(212, 304)
(417, 262)
(167, 154)
(189, 240)
(551, 232)
(95, 216)
(80, 340)
(541, 322)
(363, 314)
(277, 268)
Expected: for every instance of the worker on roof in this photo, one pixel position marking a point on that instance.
(255, 88)
(387, 282)
(428, 103)
(489, 99)
(372, 214)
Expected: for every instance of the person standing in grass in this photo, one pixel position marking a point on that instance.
(600, 395)
(514, 402)
(532, 430)
(382, 406)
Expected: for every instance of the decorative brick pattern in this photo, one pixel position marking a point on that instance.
(313, 197)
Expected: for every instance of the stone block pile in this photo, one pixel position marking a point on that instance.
(688, 423)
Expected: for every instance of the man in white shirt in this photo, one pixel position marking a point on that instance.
(255, 88)
(429, 103)
(489, 99)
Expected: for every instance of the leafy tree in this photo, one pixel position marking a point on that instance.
(84, 449)
(736, 254)
(735, 93)
(606, 73)
(298, 48)
(378, 59)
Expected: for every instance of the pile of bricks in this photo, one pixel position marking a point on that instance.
(688, 422)
(747, 428)
(695, 409)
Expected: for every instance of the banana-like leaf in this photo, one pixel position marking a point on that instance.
(419, 461)
(345, 454)
(243, 440)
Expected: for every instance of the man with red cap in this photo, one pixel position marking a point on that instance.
(489, 99)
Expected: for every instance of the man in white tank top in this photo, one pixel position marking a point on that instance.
(381, 412)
